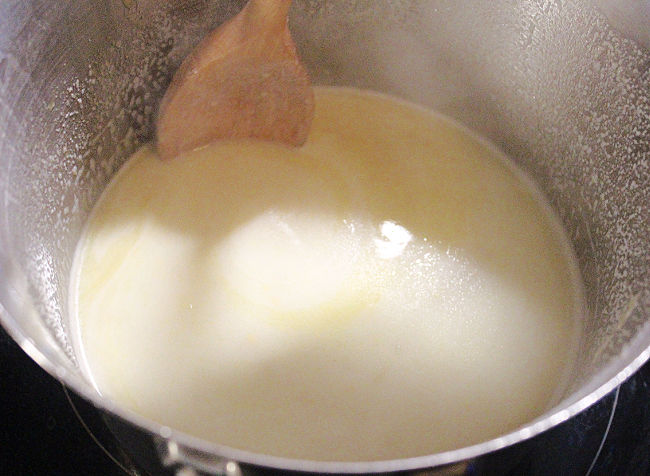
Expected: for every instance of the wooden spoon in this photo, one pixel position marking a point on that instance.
(244, 80)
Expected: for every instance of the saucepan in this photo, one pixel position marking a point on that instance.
(561, 86)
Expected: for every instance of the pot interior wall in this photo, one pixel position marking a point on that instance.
(550, 83)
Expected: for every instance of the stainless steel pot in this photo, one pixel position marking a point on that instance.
(562, 86)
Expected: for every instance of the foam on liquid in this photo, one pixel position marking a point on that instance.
(394, 288)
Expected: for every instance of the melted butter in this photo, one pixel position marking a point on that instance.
(393, 288)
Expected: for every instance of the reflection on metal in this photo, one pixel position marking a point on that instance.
(189, 462)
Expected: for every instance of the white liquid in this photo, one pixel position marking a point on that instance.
(392, 289)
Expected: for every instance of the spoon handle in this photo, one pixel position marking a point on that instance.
(270, 14)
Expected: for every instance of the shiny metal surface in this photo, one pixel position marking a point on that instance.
(563, 87)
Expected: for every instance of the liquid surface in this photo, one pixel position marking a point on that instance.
(392, 289)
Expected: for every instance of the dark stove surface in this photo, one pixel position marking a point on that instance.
(40, 434)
